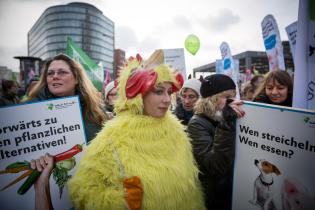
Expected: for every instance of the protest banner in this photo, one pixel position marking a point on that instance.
(176, 59)
(219, 67)
(229, 67)
(228, 62)
(275, 152)
(304, 60)
(29, 131)
(291, 32)
(272, 42)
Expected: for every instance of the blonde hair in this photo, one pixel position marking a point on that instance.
(92, 103)
(209, 106)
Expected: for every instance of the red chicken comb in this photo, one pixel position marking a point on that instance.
(140, 82)
(180, 81)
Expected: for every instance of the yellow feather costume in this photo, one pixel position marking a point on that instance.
(155, 149)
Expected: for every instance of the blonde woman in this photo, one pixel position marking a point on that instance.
(212, 130)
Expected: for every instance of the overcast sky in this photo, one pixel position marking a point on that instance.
(145, 25)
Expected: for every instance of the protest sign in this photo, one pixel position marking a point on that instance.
(304, 59)
(227, 60)
(272, 42)
(291, 32)
(229, 67)
(29, 131)
(275, 150)
(176, 59)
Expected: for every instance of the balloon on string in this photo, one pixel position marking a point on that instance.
(192, 44)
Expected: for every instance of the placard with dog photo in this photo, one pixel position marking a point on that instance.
(274, 160)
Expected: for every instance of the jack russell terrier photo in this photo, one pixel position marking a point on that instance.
(263, 185)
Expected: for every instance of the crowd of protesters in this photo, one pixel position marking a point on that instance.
(134, 134)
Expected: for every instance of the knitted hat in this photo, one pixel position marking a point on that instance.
(108, 88)
(193, 84)
(215, 84)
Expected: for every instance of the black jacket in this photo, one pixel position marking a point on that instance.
(214, 148)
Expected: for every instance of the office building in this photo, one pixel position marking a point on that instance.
(84, 23)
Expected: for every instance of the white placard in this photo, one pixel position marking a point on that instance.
(29, 131)
(176, 59)
(304, 60)
(292, 32)
(285, 139)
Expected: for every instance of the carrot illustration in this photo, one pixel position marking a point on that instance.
(59, 157)
(14, 170)
(17, 167)
(27, 173)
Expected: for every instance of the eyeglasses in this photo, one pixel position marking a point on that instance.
(60, 73)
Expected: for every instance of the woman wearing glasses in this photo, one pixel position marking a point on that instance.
(63, 77)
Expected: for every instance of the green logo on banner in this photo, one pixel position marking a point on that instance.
(306, 119)
(50, 106)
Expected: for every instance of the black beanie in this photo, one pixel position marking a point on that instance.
(215, 84)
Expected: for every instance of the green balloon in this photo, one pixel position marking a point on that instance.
(192, 44)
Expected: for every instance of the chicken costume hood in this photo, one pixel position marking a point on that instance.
(156, 150)
(136, 81)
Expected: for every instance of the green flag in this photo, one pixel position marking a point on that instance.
(95, 72)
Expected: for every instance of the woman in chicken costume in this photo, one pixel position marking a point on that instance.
(142, 158)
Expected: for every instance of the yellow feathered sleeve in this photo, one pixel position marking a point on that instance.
(92, 186)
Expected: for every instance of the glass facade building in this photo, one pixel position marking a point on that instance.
(84, 23)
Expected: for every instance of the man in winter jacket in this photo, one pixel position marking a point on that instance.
(212, 130)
